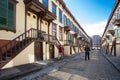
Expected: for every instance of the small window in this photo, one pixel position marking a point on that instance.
(60, 33)
(54, 30)
(45, 23)
(45, 2)
(34, 16)
(60, 16)
(53, 8)
(28, 14)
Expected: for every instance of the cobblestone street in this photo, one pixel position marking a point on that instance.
(97, 68)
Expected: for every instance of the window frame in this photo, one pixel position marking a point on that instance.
(60, 33)
(65, 20)
(60, 16)
(5, 27)
(53, 4)
(46, 5)
(118, 32)
(54, 30)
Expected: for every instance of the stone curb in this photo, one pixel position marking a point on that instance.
(19, 74)
(11, 76)
(112, 62)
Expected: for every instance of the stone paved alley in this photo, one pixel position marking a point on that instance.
(76, 68)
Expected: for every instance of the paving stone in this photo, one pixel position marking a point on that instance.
(76, 68)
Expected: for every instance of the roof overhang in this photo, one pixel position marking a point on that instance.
(49, 16)
(38, 8)
(35, 5)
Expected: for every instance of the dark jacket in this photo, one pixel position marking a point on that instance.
(87, 48)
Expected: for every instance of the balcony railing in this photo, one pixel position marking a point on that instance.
(68, 42)
(48, 38)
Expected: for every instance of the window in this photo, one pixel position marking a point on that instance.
(65, 20)
(60, 16)
(68, 22)
(54, 30)
(7, 15)
(70, 37)
(118, 14)
(118, 32)
(53, 8)
(110, 38)
(45, 2)
(60, 33)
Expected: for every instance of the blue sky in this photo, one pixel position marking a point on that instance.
(91, 14)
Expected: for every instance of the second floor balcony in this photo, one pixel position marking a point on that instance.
(67, 28)
(117, 22)
(68, 42)
(38, 8)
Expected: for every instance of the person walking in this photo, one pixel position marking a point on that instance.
(87, 54)
(60, 50)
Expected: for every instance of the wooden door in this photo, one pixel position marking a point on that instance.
(38, 51)
(51, 49)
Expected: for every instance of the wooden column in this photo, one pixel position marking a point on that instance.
(40, 23)
(49, 30)
(25, 19)
(37, 22)
(37, 26)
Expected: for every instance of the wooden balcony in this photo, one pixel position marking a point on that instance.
(117, 22)
(107, 36)
(80, 37)
(112, 32)
(67, 28)
(34, 5)
(38, 8)
(68, 42)
(75, 44)
(76, 34)
(49, 16)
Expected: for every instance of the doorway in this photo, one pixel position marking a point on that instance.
(51, 49)
(38, 51)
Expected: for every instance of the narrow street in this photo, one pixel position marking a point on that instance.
(97, 68)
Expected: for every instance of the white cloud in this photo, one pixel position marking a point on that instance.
(95, 28)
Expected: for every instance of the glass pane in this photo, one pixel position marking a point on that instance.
(60, 16)
(10, 19)
(10, 6)
(54, 9)
(45, 2)
(3, 8)
(3, 12)
(3, 21)
(54, 26)
(118, 32)
(3, 3)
